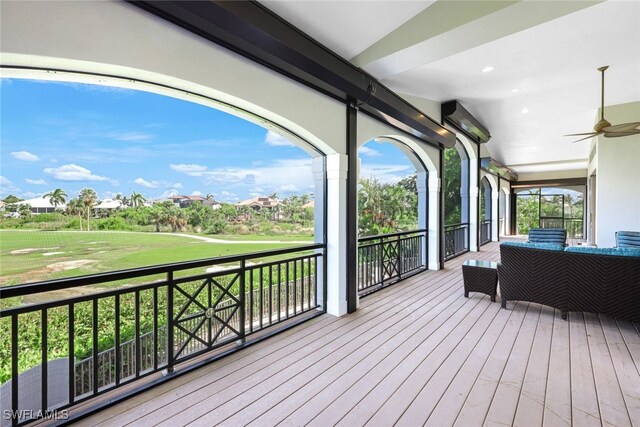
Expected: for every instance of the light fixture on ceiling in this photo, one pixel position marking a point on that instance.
(603, 127)
(515, 90)
(487, 69)
(525, 110)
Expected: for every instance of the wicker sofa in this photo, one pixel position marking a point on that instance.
(572, 279)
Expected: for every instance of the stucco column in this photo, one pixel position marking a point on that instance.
(495, 215)
(336, 172)
(434, 223)
(318, 168)
(474, 200)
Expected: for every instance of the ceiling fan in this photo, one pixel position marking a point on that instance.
(603, 127)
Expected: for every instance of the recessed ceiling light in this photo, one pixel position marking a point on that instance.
(487, 69)
(525, 110)
(515, 90)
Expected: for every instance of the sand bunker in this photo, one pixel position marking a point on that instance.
(52, 253)
(30, 250)
(226, 267)
(70, 265)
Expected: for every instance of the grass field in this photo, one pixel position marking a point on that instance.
(28, 256)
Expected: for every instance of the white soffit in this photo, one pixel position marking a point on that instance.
(544, 55)
(346, 27)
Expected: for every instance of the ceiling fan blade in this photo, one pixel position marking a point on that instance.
(623, 127)
(582, 134)
(620, 134)
(587, 137)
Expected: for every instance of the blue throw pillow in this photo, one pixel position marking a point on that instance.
(628, 239)
(544, 246)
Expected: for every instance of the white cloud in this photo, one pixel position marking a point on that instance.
(73, 172)
(35, 181)
(196, 193)
(288, 188)
(143, 182)
(284, 175)
(191, 170)
(25, 155)
(276, 139)
(369, 152)
(157, 184)
(168, 193)
(228, 196)
(386, 174)
(7, 187)
(130, 136)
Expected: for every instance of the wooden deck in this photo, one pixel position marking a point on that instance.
(417, 353)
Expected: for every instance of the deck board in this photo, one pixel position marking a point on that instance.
(416, 353)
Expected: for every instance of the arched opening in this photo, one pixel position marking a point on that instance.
(150, 274)
(456, 200)
(392, 213)
(551, 207)
(486, 210)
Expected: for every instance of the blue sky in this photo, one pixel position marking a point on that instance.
(72, 136)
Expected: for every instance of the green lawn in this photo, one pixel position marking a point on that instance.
(52, 254)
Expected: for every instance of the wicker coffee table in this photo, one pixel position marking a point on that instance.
(480, 276)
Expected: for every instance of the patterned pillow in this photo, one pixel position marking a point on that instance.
(544, 246)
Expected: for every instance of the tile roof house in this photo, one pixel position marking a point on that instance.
(186, 201)
(258, 203)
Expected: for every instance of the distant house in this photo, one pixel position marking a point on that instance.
(2, 204)
(41, 205)
(310, 204)
(108, 205)
(186, 201)
(259, 203)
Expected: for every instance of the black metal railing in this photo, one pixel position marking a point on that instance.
(177, 314)
(485, 232)
(388, 258)
(456, 240)
(574, 226)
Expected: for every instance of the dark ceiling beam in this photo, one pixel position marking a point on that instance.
(255, 32)
(560, 182)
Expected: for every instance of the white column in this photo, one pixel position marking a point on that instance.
(336, 234)
(434, 223)
(495, 215)
(473, 218)
(319, 176)
(474, 201)
(423, 203)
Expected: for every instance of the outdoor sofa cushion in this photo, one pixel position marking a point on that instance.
(630, 252)
(628, 239)
(548, 235)
(543, 246)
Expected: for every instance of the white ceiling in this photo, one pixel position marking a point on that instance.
(544, 53)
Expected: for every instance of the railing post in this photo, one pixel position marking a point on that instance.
(170, 345)
(399, 259)
(242, 303)
(381, 262)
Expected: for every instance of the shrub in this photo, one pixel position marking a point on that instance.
(113, 223)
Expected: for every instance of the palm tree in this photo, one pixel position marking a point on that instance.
(137, 199)
(209, 197)
(56, 197)
(74, 207)
(88, 197)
